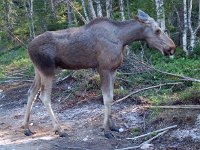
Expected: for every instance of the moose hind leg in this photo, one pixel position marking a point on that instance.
(45, 96)
(107, 91)
(32, 93)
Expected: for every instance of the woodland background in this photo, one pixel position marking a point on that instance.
(151, 91)
(22, 20)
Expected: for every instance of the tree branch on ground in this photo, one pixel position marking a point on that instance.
(183, 78)
(150, 133)
(175, 107)
(144, 89)
(147, 143)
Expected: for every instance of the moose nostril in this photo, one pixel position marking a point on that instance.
(173, 51)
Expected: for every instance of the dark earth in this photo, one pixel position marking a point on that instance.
(82, 118)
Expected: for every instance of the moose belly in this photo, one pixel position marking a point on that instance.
(80, 62)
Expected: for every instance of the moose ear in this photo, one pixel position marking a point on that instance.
(142, 16)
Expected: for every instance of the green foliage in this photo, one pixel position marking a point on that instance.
(121, 92)
(180, 65)
(136, 131)
(15, 60)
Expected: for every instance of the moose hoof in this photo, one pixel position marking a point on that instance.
(28, 132)
(114, 128)
(109, 135)
(61, 134)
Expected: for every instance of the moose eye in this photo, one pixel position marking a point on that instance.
(158, 31)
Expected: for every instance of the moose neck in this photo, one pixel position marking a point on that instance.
(130, 31)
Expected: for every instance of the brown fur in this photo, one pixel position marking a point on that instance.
(99, 44)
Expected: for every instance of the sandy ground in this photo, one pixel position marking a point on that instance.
(82, 121)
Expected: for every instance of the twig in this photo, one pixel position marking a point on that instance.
(20, 41)
(74, 148)
(11, 81)
(157, 131)
(8, 77)
(81, 16)
(146, 142)
(123, 79)
(68, 95)
(151, 139)
(65, 78)
(127, 148)
(144, 89)
(184, 78)
(176, 107)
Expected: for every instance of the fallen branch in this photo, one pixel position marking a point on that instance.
(176, 107)
(144, 89)
(16, 80)
(80, 15)
(15, 37)
(144, 143)
(153, 138)
(65, 78)
(9, 77)
(184, 78)
(150, 133)
(123, 79)
(127, 148)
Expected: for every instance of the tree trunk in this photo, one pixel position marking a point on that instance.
(91, 9)
(160, 14)
(128, 9)
(84, 10)
(121, 2)
(43, 21)
(8, 18)
(108, 8)
(53, 11)
(192, 33)
(184, 37)
(199, 15)
(99, 10)
(29, 11)
(7, 14)
(69, 14)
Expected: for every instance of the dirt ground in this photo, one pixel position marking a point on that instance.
(82, 121)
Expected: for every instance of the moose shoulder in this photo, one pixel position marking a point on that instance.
(99, 44)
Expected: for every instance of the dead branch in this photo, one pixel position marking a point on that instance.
(184, 78)
(9, 77)
(65, 78)
(144, 143)
(80, 15)
(176, 107)
(123, 79)
(153, 138)
(15, 37)
(144, 89)
(150, 133)
(16, 80)
(127, 148)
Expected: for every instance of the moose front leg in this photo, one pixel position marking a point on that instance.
(107, 85)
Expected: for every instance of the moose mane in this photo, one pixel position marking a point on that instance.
(113, 22)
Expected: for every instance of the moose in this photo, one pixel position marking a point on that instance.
(99, 44)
